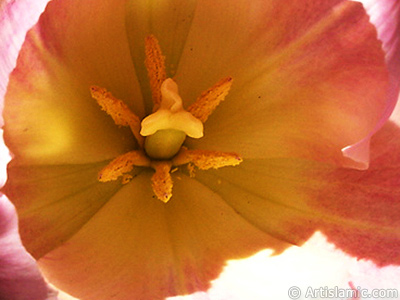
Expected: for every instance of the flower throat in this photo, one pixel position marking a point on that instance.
(161, 135)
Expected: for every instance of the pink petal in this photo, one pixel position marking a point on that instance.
(308, 79)
(359, 211)
(16, 17)
(385, 15)
(369, 199)
(20, 278)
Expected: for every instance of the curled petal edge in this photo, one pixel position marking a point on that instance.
(16, 18)
(385, 15)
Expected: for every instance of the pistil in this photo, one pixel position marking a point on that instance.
(167, 128)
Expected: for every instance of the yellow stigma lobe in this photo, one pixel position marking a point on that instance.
(122, 165)
(155, 65)
(171, 115)
(118, 110)
(162, 181)
(204, 106)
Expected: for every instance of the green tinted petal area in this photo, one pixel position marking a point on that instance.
(268, 193)
(49, 114)
(170, 22)
(55, 201)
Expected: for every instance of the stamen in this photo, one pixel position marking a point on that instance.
(162, 181)
(123, 164)
(155, 65)
(118, 110)
(204, 159)
(203, 107)
(165, 129)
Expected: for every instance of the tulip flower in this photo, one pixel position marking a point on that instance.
(250, 121)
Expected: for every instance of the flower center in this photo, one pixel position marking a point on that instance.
(166, 129)
(161, 134)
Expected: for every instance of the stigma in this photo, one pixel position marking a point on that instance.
(161, 135)
(166, 129)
